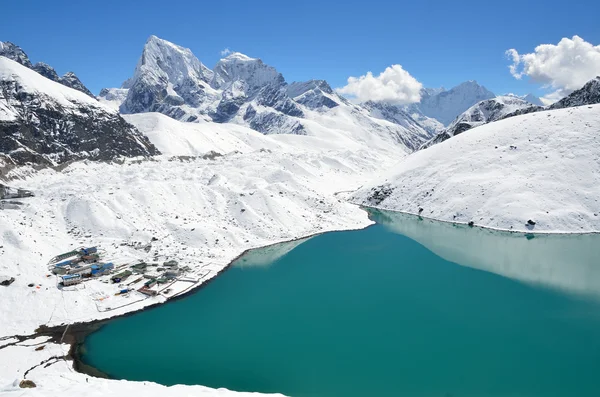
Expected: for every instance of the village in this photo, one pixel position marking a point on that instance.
(138, 278)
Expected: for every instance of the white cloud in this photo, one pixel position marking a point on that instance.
(394, 85)
(564, 67)
(225, 52)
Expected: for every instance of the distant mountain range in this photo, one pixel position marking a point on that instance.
(504, 107)
(42, 123)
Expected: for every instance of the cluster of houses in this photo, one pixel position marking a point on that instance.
(75, 266)
(85, 263)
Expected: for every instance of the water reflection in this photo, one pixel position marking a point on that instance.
(267, 256)
(566, 262)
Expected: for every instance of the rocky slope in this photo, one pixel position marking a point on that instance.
(589, 94)
(44, 122)
(16, 53)
(482, 113)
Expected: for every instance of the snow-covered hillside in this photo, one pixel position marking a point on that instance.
(44, 122)
(482, 113)
(543, 167)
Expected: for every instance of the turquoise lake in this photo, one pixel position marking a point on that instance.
(407, 307)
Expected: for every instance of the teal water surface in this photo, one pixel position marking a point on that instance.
(407, 307)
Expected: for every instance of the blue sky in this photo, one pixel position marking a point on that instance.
(437, 42)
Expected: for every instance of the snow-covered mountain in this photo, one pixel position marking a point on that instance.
(16, 53)
(445, 106)
(533, 99)
(242, 90)
(482, 113)
(44, 122)
(541, 167)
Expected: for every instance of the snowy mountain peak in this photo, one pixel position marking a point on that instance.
(239, 56)
(252, 72)
(166, 77)
(533, 99)
(163, 59)
(445, 106)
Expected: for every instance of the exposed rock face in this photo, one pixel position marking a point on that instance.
(43, 122)
(71, 80)
(314, 94)
(589, 94)
(166, 77)
(46, 70)
(14, 52)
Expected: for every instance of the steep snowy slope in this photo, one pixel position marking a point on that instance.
(543, 167)
(16, 53)
(482, 113)
(445, 106)
(44, 122)
(176, 138)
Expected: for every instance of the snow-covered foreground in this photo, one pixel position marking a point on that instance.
(543, 167)
(202, 212)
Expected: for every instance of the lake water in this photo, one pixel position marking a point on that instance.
(407, 307)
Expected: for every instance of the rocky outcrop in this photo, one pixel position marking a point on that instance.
(14, 52)
(43, 122)
(589, 94)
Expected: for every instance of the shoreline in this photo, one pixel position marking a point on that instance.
(75, 334)
(466, 224)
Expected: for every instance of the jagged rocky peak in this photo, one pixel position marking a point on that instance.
(45, 122)
(163, 59)
(314, 94)
(589, 94)
(71, 80)
(166, 77)
(14, 52)
(252, 73)
(46, 70)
